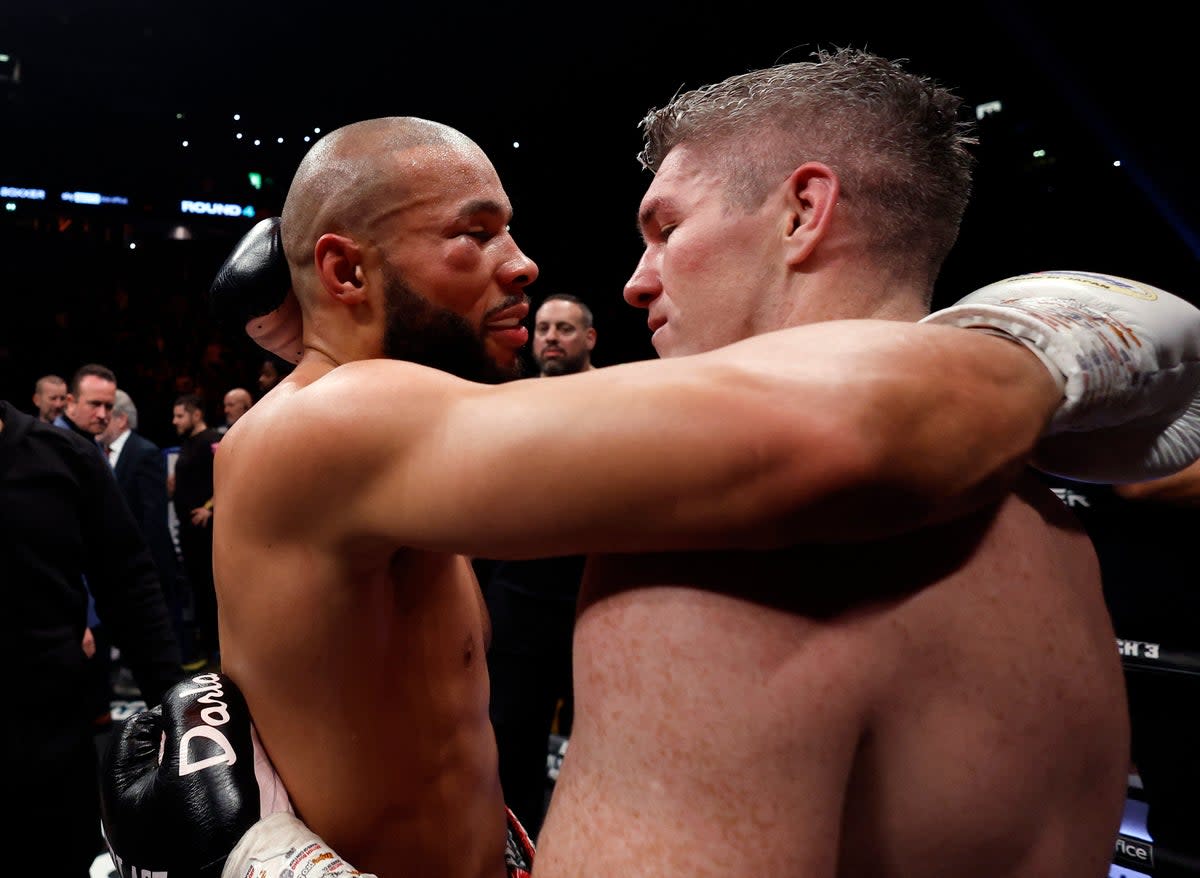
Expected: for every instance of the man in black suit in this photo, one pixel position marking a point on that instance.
(61, 520)
(141, 471)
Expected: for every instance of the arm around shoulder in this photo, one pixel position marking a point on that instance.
(1181, 488)
(844, 430)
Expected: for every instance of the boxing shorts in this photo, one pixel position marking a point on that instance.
(518, 852)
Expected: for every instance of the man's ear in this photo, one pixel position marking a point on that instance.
(339, 263)
(589, 336)
(812, 193)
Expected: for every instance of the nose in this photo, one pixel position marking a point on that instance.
(645, 284)
(518, 271)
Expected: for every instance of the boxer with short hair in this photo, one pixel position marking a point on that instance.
(963, 713)
(758, 709)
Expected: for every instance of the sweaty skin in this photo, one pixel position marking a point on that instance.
(880, 745)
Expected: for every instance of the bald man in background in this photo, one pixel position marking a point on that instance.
(236, 403)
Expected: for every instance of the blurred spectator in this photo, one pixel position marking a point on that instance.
(50, 397)
(184, 384)
(90, 400)
(237, 403)
(270, 373)
(61, 519)
(191, 490)
(141, 471)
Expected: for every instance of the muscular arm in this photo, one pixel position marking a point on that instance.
(1182, 488)
(835, 431)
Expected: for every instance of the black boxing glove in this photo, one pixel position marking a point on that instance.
(254, 279)
(182, 783)
(253, 291)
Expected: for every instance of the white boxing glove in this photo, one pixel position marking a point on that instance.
(1127, 356)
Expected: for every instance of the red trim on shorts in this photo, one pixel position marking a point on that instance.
(518, 853)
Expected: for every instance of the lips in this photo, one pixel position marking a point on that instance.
(505, 325)
(509, 316)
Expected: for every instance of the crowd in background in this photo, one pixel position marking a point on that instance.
(140, 311)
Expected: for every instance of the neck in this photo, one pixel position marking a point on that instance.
(851, 294)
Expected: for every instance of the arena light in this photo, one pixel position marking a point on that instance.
(10, 68)
(24, 193)
(987, 109)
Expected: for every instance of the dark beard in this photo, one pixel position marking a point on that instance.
(419, 331)
(562, 365)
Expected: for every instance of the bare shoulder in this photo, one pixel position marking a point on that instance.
(345, 407)
(324, 431)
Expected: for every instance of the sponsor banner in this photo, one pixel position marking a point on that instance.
(1156, 657)
(1136, 853)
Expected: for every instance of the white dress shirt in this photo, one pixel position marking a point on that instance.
(114, 449)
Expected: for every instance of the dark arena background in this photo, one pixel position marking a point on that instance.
(139, 140)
